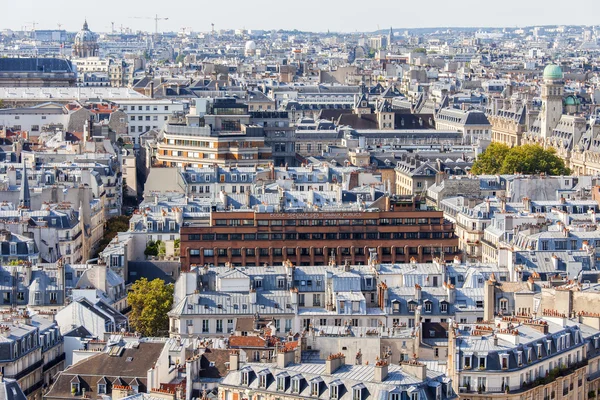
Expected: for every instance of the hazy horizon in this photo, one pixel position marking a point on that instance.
(313, 15)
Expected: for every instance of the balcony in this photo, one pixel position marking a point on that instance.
(54, 362)
(26, 371)
(33, 388)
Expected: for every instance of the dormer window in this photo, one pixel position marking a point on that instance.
(395, 306)
(504, 361)
(444, 307)
(412, 306)
(334, 389)
(314, 389)
(428, 306)
(467, 362)
(281, 383)
(296, 385)
(262, 379)
(101, 388)
(503, 305)
(245, 378)
(394, 396)
(414, 396)
(357, 391)
(481, 362)
(549, 346)
(519, 358)
(75, 387)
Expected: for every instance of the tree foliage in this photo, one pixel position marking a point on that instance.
(527, 159)
(111, 228)
(150, 301)
(152, 248)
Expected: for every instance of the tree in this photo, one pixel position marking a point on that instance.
(150, 301)
(111, 228)
(490, 162)
(527, 159)
(152, 248)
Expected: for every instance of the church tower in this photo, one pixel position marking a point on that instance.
(552, 100)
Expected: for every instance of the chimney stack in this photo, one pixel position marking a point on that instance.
(234, 360)
(381, 371)
(333, 362)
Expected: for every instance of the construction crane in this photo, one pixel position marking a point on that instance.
(156, 18)
(33, 23)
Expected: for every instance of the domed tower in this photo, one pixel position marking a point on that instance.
(552, 99)
(85, 44)
(250, 49)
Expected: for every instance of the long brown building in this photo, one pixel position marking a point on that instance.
(401, 230)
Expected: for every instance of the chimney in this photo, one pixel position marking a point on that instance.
(333, 362)
(527, 203)
(416, 369)
(381, 371)
(285, 358)
(489, 299)
(234, 360)
(451, 292)
(252, 296)
(418, 292)
(555, 262)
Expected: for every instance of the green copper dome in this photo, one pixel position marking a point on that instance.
(571, 101)
(553, 72)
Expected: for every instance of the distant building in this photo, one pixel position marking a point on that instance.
(86, 44)
(37, 72)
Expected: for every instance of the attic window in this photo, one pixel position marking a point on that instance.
(129, 359)
(245, 379)
(211, 364)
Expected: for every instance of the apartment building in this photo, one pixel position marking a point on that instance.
(146, 114)
(32, 351)
(222, 137)
(519, 357)
(333, 379)
(386, 299)
(401, 229)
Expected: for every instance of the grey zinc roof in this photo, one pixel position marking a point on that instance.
(219, 303)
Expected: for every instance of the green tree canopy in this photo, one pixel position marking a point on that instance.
(527, 159)
(152, 248)
(150, 301)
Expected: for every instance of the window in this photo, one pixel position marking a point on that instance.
(333, 391)
(204, 326)
(219, 326)
(101, 388)
(281, 383)
(296, 385)
(245, 379)
(316, 300)
(356, 394)
(314, 389)
(428, 306)
(262, 380)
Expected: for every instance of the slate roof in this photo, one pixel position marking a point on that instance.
(10, 390)
(35, 65)
(131, 363)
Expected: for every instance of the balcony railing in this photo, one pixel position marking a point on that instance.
(33, 388)
(54, 362)
(26, 371)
